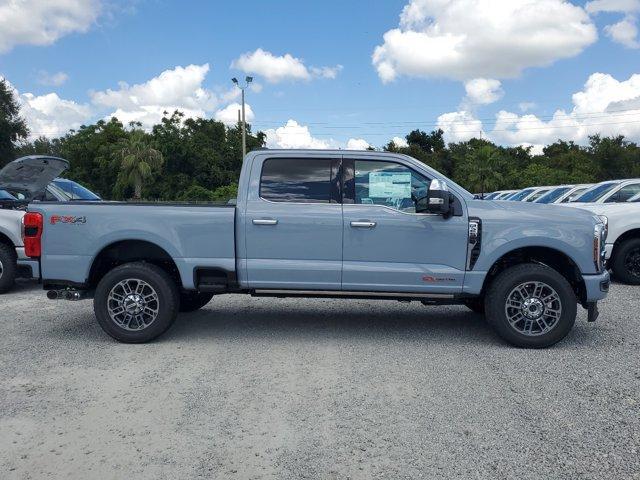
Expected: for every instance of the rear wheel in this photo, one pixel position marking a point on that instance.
(531, 306)
(192, 301)
(136, 302)
(8, 267)
(626, 261)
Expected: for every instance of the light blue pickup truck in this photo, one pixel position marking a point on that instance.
(339, 224)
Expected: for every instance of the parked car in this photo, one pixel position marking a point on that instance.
(611, 191)
(528, 194)
(623, 241)
(29, 179)
(562, 193)
(374, 225)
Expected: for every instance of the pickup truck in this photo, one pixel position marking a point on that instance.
(367, 225)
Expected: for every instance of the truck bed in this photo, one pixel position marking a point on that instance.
(194, 236)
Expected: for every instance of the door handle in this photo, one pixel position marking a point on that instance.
(363, 224)
(265, 221)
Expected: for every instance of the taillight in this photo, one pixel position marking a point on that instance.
(32, 234)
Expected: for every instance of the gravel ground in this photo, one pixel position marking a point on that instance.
(266, 388)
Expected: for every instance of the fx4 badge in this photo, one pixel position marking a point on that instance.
(70, 219)
(430, 279)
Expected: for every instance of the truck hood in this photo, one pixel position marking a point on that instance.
(526, 212)
(31, 175)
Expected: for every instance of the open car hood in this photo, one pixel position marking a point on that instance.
(31, 175)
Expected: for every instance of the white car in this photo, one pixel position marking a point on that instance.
(623, 239)
(612, 191)
(563, 193)
(27, 177)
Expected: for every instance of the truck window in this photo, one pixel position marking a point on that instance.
(297, 180)
(389, 184)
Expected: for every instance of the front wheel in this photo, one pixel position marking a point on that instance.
(531, 306)
(136, 302)
(626, 262)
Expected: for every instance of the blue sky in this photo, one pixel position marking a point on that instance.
(530, 57)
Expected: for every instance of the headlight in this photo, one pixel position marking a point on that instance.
(605, 230)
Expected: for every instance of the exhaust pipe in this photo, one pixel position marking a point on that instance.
(71, 295)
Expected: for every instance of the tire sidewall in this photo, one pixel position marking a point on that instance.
(619, 268)
(502, 286)
(167, 301)
(9, 260)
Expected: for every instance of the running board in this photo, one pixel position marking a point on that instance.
(352, 294)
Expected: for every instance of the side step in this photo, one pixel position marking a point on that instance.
(444, 297)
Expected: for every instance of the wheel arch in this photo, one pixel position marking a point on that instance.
(550, 257)
(633, 233)
(126, 251)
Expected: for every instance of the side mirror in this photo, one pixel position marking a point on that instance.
(437, 201)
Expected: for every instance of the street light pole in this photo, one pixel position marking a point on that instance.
(242, 88)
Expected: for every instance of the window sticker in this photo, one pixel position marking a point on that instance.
(390, 184)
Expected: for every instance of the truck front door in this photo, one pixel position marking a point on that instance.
(293, 224)
(389, 247)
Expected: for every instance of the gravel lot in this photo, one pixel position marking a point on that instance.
(264, 388)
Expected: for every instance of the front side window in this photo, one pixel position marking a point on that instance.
(297, 180)
(389, 184)
(624, 194)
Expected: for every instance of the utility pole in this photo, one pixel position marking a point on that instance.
(242, 88)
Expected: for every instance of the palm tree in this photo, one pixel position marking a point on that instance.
(484, 169)
(138, 160)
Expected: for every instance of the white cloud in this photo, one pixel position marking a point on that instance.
(400, 142)
(624, 32)
(38, 22)
(277, 69)
(177, 89)
(624, 6)
(357, 144)
(483, 91)
(459, 126)
(52, 79)
(605, 106)
(51, 116)
(526, 106)
(229, 114)
(294, 135)
(465, 39)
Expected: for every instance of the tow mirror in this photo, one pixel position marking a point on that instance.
(437, 201)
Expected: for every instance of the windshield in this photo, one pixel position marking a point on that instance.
(537, 195)
(74, 190)
(596, 192)
(491, 195)
(4, 195)
(552, 195)
(516, 197)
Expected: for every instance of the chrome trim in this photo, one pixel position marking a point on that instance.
(363, 224)
(264, 221)
(347, 293)
(395, 210)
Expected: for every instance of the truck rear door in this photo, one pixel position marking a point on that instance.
(293, 223)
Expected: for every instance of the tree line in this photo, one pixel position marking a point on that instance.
(199, 159)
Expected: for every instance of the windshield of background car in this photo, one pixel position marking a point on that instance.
(4, 195)
(75, 191)
(596, 192)
(520, 195)
(553, 195)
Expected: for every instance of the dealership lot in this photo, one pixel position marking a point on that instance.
(269, 388)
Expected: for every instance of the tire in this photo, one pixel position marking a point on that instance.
(136, 302)
(475, 304)
(626, 262)
(8, 267)
(192, 301)
(539, 282)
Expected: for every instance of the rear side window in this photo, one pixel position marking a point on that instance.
(297, 180)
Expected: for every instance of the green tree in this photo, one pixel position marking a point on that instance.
(138, 162)
(13, 128)
(483, 169)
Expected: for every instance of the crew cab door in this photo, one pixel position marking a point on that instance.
(293, 224)
(387, 246)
